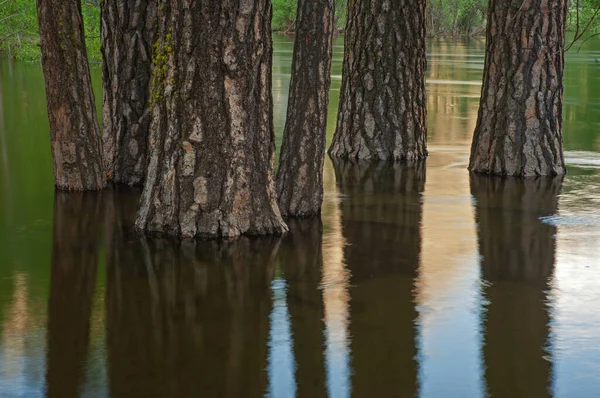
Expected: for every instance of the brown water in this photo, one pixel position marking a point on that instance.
(417, 281)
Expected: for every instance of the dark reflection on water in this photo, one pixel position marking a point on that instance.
(75, 253)
(517, 260)
(391, 296)
(301, 259)
(187, 319)
(381, 220)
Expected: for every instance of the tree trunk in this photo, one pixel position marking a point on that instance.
(382, 113)
(518, 253)
(128, 29)
(300, 174)
(519, 128)
(74, 131)
(211, 155)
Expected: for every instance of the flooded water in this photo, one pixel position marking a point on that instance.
(417, 281)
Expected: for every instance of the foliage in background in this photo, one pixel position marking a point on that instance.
(456, 17)
(19, 36)
(19, 32)
(584, 21)
(284, 15)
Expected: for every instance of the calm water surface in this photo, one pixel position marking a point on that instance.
(419, 281)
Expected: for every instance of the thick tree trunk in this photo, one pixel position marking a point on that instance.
(300, 174)
(211, 155)
(518, 253)
(381, 221)
(74, 131)
(76, 242)
(382, 113)
(128, 29)
(519, 128)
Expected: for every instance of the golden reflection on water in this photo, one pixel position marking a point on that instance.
(335, 285)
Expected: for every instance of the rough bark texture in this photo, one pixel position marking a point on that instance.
(128, 29)
(74, 131)
(517, 250)
(382, 112)
(381, 221)
(519, 128)
(300, 174)
(211, 153)
(75, 248)
(301, 258)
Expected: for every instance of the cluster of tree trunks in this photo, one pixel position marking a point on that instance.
(127, 34)
(519, 128)
(74, 130)
(383, 110)
(300, 174)
(188, 104)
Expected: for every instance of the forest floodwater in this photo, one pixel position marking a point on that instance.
(418, 281)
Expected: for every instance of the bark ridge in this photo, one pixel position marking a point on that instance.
(383, 109)
(74, 130)
(519, 127)
(211, 144)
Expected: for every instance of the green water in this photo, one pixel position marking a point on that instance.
(423, 281)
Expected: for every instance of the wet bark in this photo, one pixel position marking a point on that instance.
(211, 154)
(301, 257)
(381, 223)
(75, 248)
(382, 112)
(300, 174)
(518, 254)
(74, 131)
(519, 128)
(127, 33)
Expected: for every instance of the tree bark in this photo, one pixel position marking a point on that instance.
(519, 128)
(74, 131)
(300, 174)
(128, 29)
(518, 254)
(382, 112)
(212, 145)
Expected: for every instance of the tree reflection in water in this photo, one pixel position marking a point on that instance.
(301, 259)
(75, 249)
(517, 250)
(381, 221)
(190, 319)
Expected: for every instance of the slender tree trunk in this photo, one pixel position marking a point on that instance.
(382, 113)
(128, 29)
(211, 155)
(74, 131)
(300, 174)
(519, 129)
